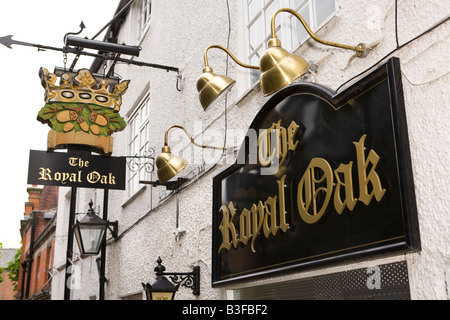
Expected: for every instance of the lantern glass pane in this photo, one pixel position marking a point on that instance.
(92, 238)
(162, 295)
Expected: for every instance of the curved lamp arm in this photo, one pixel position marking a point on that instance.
(230, 54)
(360, 49)
(190, 137)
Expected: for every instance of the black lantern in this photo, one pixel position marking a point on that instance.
(163, 289)
(160, 289)
(90, 231)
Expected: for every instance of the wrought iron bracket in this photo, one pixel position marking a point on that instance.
(115, 228)
(7, 41)
(189, 280)
(147, 160)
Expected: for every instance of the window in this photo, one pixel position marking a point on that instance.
(315, 12)
(288, 28)
(144, 10)
(139, 132)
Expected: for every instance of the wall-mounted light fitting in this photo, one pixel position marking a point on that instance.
(210, 85)
(278, 67)
(90, 230)
(162, 289)
(169, 165)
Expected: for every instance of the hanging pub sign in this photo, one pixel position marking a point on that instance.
(82, 114)
(80, 111)
(320, 177)
(76, 169)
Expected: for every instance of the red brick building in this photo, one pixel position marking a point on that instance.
(38, 243)
(6, 287)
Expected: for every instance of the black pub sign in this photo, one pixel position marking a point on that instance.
(320, 177)
(76, 169)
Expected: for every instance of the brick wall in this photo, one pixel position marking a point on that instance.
(6, 287)
(41, 205)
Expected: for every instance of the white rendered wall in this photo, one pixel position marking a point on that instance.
(180, 31)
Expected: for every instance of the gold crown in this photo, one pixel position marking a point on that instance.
(82, 88)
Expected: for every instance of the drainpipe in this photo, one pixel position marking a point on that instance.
(30, 255)
(24, 272)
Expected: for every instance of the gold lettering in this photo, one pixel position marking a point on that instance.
(78, 162)
(292, 131)
(65, 176)
(372, 177)
(111, 179)
(227, 227)
(45, 174)
(270, 217)
(265, 153)
(93, 177)
(74, 176)
(282, 203)
(260, 217)
(314, 191)
(282, 143)
(73, 161)
(245, 227)
(349, 200)
(312, 186)
(276, 141)
(257, 221)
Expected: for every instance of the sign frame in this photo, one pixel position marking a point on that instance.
(76, 168)
(388, 73)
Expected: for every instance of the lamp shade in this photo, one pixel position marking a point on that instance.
(210, 86)
(168, 165)
(160, 289)
(279, 68)
(89, 233)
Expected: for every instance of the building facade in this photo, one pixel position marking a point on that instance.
(38, 243)
(177, 225)
(6, 286)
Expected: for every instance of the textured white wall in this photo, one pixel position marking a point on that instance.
(180, 31)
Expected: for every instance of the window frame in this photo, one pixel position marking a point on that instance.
(143, 9)
(138, 141)
(284, 28)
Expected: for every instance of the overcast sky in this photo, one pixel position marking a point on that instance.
(42, 22)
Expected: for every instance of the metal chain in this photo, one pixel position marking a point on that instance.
(65, 60)
(105, 65)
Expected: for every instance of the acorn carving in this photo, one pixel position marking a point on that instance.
(68, 126)
(95, 129)
(98, 119)
(66, 115)
(69, 115)
(83, 125)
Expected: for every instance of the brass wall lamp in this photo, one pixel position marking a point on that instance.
(278, 67)
(169, 165)
(210, 85)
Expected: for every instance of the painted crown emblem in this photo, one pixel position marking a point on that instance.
(81, 111)
(82, 88)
